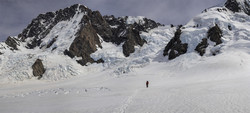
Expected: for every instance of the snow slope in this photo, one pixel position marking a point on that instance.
(192, 84)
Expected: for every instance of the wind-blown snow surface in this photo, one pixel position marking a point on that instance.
(192, 84)
(188, 84)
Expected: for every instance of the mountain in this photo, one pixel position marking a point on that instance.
(63, 39)
(76, 60)
(75, 32)
(212, 30)
(83, 27)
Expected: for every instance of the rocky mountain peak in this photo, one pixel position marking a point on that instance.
(43, 23)
(76, 31)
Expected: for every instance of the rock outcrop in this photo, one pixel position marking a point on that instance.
(12, 43)
(238, 5)
(201, 47)
(120, 27)
(175, 47)
(128, 32)
(51, 42)
(101, 26)
(133, 39)
(215, 34)
(84, 44)
(233, 5)
(38, 69)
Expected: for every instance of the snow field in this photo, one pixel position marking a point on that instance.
(169, 91)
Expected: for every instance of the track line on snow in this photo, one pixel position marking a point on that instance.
(127, 102)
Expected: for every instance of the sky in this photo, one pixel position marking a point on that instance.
(15, 15)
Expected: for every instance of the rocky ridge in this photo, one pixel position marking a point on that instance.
(86, 38)
(176, 47)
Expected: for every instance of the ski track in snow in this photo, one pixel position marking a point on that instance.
(127, 102)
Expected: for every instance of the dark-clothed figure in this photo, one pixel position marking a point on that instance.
(147, 84)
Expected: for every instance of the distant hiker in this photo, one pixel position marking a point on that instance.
(147, 84)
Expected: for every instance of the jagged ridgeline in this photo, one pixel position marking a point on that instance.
(84, 30)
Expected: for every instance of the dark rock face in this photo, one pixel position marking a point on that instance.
(147, 25)
(41, 26)
(215, 34)
(12, 42)
(51, 42)
(201, 47)
(246, 7)
(177, 50)
(133, 39)
(38, 69)
(1, 53)
(122, 32)
(128, 33)
(229, 27)
(67, 52)
(101, 26)
(175, 47)
(84, 44)
(120, 27)
(235, 6)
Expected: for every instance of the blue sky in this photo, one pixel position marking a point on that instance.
(15, 15)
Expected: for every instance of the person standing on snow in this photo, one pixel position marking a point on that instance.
(147, 84)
